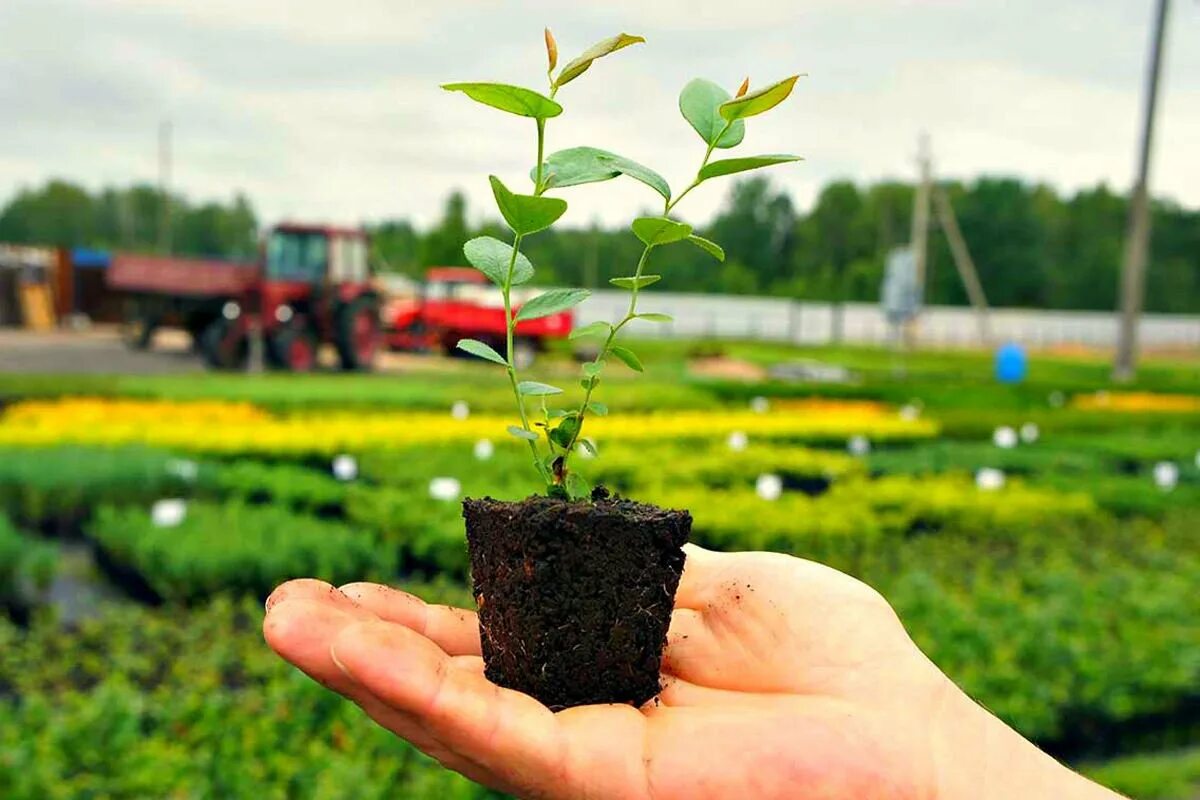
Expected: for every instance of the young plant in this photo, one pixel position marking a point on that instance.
(720, 120)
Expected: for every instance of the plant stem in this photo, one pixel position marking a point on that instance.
(537, 180)
(510, 325)
(612, 335)
(632, 312)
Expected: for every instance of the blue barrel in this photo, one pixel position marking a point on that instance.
(1012, 363)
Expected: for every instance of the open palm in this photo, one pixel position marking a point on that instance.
(781, 678)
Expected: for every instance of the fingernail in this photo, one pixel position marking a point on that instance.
(273, 598)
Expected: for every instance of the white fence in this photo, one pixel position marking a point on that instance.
(729, 316)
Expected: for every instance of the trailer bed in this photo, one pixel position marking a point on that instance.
(180, 277)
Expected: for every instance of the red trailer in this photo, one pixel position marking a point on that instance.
(311, 285)
(459, 302)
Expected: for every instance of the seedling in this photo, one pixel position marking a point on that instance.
(717, 116)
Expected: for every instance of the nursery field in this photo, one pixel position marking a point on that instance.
(1049, 567)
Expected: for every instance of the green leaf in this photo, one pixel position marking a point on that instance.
(654, 317)
(654, 231)
(579, 165)
(593, 368)
(599, 409)
(728, 166)
(699, 103)
(639, 282)
(589, 383)
(627, 355)
(756, 102)
(551, 302)
(578, 487)
(710, 247)
(592, 329)
(526, 213)
(579, 65)
(521, 433)
(589, 445)
(513, 99)
(535, 389)
(478, 348)
(640, 173)
(565, 432)
(559, 413)
(490, 256)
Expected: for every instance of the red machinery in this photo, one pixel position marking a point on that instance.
(312, 285)
(458, 302)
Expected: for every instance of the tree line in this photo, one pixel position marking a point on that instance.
(64, 214)
(1033, 246)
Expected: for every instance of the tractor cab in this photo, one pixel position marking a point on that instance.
(316, 255)
(315, 288)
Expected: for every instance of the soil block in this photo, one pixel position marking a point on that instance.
(575, 597)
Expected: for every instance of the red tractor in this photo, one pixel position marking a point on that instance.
(312, 286)
(460, 303)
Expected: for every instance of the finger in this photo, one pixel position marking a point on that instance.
(698, 570)
(506, 732)
(310, 589)
(301, 628)
(455, 630)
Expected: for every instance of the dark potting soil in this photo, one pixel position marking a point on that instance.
(575, 597)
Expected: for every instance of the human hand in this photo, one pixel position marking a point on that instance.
(782, 678)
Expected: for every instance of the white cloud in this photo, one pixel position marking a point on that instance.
(332, 111)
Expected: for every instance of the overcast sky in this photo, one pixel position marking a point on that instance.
(324, 110)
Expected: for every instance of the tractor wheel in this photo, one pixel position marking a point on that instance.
(357, 334)
(137, 331)
(294, 348)
(224, 346)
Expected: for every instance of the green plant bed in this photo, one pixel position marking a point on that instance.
(857, 514)
(1132, 495)
(178, 703)
(232, 547)
(293, 486)
(25, 564)
(56, 488)
(1171, 775)
(1070, 634)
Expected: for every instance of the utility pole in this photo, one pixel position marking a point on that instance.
(1137, 238)
(963, 262)
(164, 187)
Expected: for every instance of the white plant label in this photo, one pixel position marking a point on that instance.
(769, 486)
(1004, 437)
(1166, 475)
(168, 513)
(989, 479)
(345, 467)
(445, 489)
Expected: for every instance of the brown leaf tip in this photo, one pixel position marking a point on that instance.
(551, 49)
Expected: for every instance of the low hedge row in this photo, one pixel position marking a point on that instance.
(46, 485)
(232, 547)
(25, 562)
